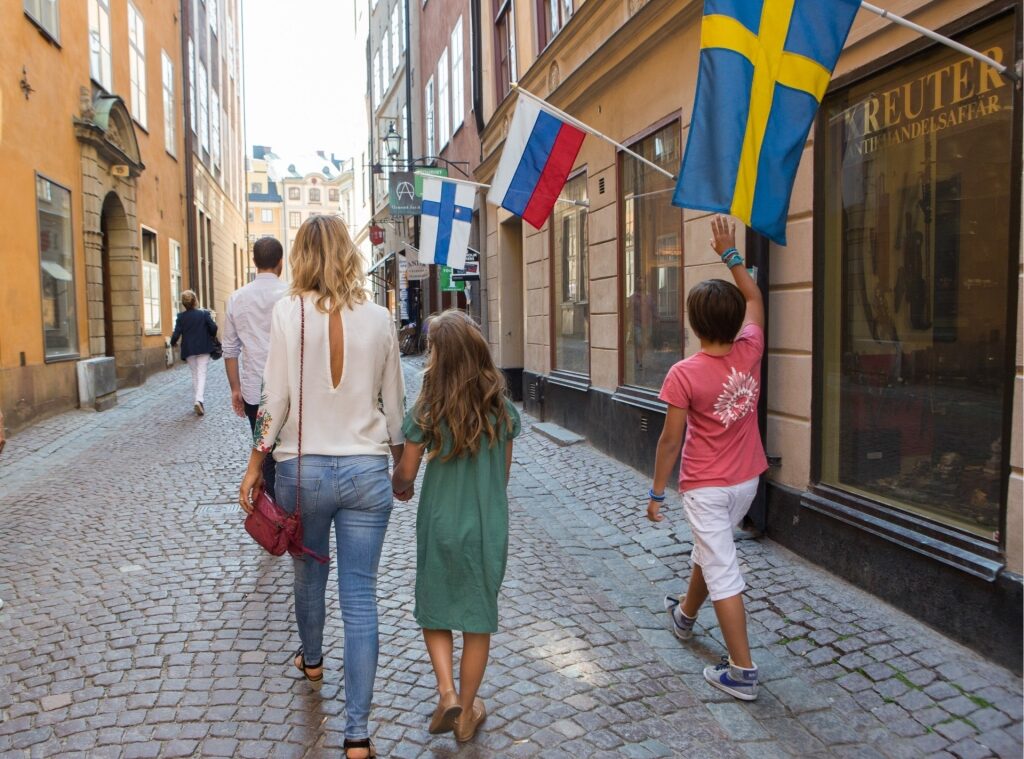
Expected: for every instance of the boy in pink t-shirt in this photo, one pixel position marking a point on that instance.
(712, 396)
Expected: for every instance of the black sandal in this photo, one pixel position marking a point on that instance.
(360, 743)
(300, 664)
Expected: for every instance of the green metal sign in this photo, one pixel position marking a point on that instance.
(445, 278)
(435, 170)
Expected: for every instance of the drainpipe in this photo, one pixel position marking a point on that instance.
(190, 216)
(478, 118)
(757, 255)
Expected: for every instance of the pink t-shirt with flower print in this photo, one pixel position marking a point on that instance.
(722, 446)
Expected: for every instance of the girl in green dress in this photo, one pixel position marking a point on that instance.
(465, 425)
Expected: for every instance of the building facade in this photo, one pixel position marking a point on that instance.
(266, 204)
(449, 132)
(215, 137)
(92, 143)
(391, 98)
(892, 381)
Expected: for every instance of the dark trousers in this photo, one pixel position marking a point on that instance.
(268, 463)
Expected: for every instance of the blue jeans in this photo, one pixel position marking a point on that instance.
(353, 493)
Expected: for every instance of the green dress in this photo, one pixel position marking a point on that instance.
(462, 534)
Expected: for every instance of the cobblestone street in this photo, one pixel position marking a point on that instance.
(139, 620)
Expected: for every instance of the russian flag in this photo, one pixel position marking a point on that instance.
(539, 152)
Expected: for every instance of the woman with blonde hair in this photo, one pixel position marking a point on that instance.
(333, 355)
(197, 331)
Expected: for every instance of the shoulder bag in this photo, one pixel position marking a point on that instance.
(268, 524)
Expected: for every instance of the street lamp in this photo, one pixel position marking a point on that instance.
(392, 142)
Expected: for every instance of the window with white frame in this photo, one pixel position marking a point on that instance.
(401, 26)
(137, 64)
(396, 33)
(167, 77)
(192, 83)
(215, 127)
(46, 13)
(150, 281)
(267, 215)
(99, 44)
(428, 121)
(458, 95)
(376, 80)
(314, 194)
(213, 15)
(204, 108)
(332, 194)
(256, 188)
(175, 248)
(443, 125)
(294, 219)
(294, 193)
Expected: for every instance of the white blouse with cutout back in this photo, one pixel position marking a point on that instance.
(346, 420)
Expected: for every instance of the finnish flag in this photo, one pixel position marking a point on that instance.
(446, 216)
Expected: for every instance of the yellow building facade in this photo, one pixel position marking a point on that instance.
(893, 373)
(93, 197)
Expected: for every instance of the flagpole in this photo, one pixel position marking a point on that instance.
(452, 179)
(591, 130)
(1001, 68)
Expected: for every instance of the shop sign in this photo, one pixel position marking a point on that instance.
(470, 274)
(448, 285)
(402, 197)
(418, 271)
(435, 170)
(955, 93)
(377, 235)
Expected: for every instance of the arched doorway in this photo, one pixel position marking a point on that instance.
(110, 168)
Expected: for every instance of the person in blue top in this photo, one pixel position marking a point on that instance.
(197, 331)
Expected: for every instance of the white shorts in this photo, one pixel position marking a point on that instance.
(712, 514)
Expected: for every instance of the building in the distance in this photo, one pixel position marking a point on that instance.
(215, 138)
(266, 205)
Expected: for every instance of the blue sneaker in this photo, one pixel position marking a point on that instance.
(736, 681)
(678, 623)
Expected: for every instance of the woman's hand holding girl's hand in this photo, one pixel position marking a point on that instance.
(654, 511)
(405, 495)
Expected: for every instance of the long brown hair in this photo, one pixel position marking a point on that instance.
(461, 388)
(326, 263)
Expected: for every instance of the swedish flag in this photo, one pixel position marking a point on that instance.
(764, 68)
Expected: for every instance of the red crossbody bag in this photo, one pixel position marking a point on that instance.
(268, 524)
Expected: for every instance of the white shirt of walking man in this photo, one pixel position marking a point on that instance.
(247, 334)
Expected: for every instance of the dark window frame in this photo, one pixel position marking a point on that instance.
(569, 378)
(504, 32)
(75, 355)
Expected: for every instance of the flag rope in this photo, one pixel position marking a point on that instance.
(1001, 68)
(577, 123)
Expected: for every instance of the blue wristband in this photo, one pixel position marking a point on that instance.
(732, 258)
(655, 498)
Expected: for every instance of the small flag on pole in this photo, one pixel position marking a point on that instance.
(764, 67)
(445, 216)
(539, 152)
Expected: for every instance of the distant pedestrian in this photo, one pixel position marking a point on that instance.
(347, 381)
(247, 336)
(715, 394)
(465, 424)
(198, 334)
(3, 438)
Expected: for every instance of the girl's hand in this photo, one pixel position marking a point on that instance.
(251, 484)
(654, 511)
(404, 495)
(723, 233)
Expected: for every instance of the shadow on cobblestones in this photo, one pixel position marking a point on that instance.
(140, 621)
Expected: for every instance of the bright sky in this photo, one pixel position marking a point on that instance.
(304, 76)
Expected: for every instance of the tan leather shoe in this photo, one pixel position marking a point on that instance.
(447, 711)
(466, 726)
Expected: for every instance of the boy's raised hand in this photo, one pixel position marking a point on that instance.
(723, 234)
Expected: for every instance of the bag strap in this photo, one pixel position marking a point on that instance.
(302, 363)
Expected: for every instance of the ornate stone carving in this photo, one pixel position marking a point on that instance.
(554, 76)
(636, 5)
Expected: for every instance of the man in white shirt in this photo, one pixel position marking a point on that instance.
(247, 334)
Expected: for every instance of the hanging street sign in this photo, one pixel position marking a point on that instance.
(402, 198)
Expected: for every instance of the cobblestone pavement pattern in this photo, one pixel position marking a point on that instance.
(140, 621)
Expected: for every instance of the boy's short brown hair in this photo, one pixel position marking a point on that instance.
(716, 309)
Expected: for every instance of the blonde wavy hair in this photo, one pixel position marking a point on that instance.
(326, 263)
(462, 388)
